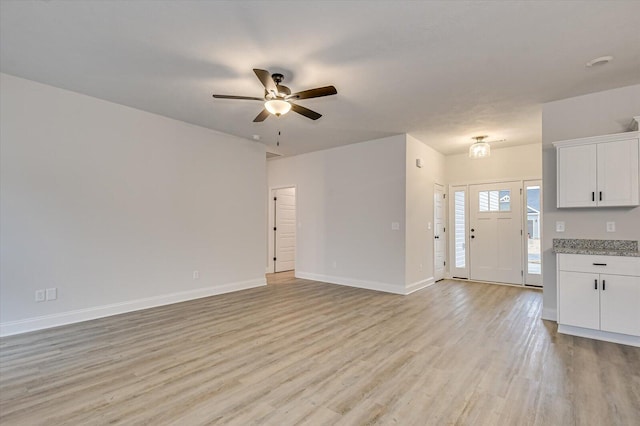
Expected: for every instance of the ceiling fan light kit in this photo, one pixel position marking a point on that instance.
(277, 107)
(277, 98)
(480, 148)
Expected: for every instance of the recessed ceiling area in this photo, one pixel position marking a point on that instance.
(440, 71)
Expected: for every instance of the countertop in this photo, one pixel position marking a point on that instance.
(627, 248)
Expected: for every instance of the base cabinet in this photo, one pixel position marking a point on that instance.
(607, 302)
(579, 300)
(620, 304)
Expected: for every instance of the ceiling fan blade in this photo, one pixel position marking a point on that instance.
(262, 116)
(265, 78)
(305, 111)
(314, 93)
(249, 98)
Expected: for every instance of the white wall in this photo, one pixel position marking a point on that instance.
(419, 211)
(523, 161)
(117, 207)
(590, 115)
(347, 198)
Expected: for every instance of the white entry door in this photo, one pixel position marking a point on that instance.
(284, 201)
(495, 234)
(440, 241)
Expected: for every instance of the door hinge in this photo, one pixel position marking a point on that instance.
(521, 232)
(520, 191)
(444, 195)
(444, 229)
(521, 273)
(444, 263)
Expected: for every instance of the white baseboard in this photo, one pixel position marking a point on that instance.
(369, 285)
(624, 339)
(350, 282)
(55, 320)
(549, 314)
(419, 285)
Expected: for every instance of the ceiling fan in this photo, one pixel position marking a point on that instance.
(277, 98)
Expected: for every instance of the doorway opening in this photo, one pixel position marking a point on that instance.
(283, 233)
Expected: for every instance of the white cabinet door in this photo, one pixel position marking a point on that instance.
(579, 299)
(620, 304)
(618, 173)
(577, 176)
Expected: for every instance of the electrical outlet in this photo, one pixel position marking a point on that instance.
(40, 296)
(559, 226)
(395, 226)
(196, 275)
(611, 227)
(52, 293)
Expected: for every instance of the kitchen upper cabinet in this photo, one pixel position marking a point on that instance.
(577, 177)
(598, 171)
(618, 173)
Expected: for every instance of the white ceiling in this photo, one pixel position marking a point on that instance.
(441, 71)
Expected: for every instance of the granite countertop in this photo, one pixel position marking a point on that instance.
(596, 247)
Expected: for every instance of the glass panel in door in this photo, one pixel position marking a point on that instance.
(533, 219)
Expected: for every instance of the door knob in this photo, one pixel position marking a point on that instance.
(472, 236)
(472, 230)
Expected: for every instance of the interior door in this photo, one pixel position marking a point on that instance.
(284, 200)
(495, 248)
(440, 241)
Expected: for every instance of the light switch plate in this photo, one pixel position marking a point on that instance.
(611, 227)
(559, 226)
(395, 226)
(52, 293)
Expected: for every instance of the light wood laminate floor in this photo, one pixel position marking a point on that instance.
(302, 352)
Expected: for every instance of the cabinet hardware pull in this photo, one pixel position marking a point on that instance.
(593, 196)
(604, 285)
(599, 264)
(600, 195)
(595, 284)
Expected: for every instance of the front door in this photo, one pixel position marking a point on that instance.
(495, 245)
(284, 200)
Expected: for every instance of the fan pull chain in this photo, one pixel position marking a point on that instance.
(278, 139)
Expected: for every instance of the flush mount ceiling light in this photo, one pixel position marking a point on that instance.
(602, 60)
(480, 149)
(277, 107)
